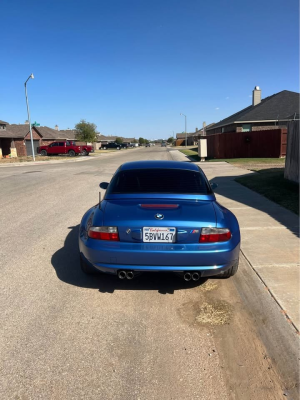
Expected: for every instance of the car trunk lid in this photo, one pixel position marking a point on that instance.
(186, 216)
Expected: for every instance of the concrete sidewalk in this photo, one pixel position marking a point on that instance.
(269, 233)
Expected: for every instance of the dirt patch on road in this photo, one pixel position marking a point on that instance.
(216, 313)
(206, 312)
(248, 370)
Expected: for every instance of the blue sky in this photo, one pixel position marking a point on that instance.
(132, 66)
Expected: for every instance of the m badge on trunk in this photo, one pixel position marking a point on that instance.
(159, 216)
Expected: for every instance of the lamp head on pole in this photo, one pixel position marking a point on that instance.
(30, 76)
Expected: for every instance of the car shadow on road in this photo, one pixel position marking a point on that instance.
(67, 266)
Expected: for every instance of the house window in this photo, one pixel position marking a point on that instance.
(246, 128)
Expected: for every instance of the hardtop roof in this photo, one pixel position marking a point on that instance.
(154, 164)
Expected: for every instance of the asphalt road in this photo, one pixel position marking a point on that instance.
(64, 335)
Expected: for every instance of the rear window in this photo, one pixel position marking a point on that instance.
(159, 181)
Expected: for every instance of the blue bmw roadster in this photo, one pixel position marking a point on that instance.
(159, 216)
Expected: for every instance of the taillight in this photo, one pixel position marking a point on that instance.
(104, 233)
(210, 235)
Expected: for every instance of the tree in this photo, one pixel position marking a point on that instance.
(134, 140)
(141, 140)
(86, 131)
(119, 140)
(170, 140)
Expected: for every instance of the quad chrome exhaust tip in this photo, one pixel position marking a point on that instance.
(125, 274)
(121, 274)
(130, 275)
(187, 276)
(195, 276)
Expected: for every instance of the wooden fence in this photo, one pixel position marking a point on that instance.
(291, 170)
(261, 144)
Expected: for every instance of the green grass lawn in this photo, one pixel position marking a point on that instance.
(271, 184)
(193, 155)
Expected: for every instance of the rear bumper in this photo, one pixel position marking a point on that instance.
(204, 271)
(208, 259)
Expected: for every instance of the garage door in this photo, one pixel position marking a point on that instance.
(28, 147)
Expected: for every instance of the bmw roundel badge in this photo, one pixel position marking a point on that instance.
(159, 216)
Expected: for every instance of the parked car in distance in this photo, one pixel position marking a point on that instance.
(86, 148)
(125, 145)
(147, 145)
(159, 216)
(62, 147)
(163, 144)
(111, 145)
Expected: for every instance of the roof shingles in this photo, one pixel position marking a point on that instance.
(279, 106)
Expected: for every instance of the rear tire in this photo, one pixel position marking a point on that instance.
(85, 153)
(231, 271)
(71, 153)
(104, 148)
(86, 268)
(43, 153)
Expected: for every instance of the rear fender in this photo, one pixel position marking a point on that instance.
(93, 217)
(226, 219)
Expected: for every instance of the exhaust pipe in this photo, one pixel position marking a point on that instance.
(195, 276)
(187, 276)
(121, 274)
(130, 275)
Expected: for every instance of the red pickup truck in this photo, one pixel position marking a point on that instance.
(66, 147)
(86, 148)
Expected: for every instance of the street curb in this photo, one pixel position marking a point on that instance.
(283, 311)
(29, 163)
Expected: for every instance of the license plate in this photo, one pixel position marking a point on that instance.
(159, 235)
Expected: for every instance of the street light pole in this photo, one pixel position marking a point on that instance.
(32, 77)
(185, 128)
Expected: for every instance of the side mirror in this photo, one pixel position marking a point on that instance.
(213, 185)
(104, 185)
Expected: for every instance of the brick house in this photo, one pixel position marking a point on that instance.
(273, 112)
(4, 141)
(192, 138)
(180, 139)
(17, 136)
